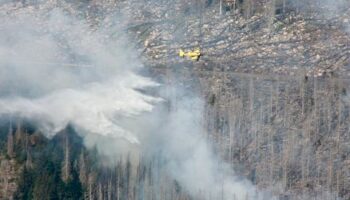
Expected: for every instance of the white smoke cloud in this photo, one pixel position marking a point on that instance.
(56, 70)
(192, 161)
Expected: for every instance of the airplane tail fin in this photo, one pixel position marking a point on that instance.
(181, 53)
(197, 50)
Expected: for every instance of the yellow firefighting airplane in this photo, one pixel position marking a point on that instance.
(193, 55)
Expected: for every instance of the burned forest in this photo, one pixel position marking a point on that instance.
(175, 99)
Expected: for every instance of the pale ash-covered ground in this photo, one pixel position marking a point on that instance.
(276, 90)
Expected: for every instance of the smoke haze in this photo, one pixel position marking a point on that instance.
(56, 69)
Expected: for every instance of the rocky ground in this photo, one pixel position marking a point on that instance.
(294, 43)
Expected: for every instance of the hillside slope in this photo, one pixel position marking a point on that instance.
(274, 79)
